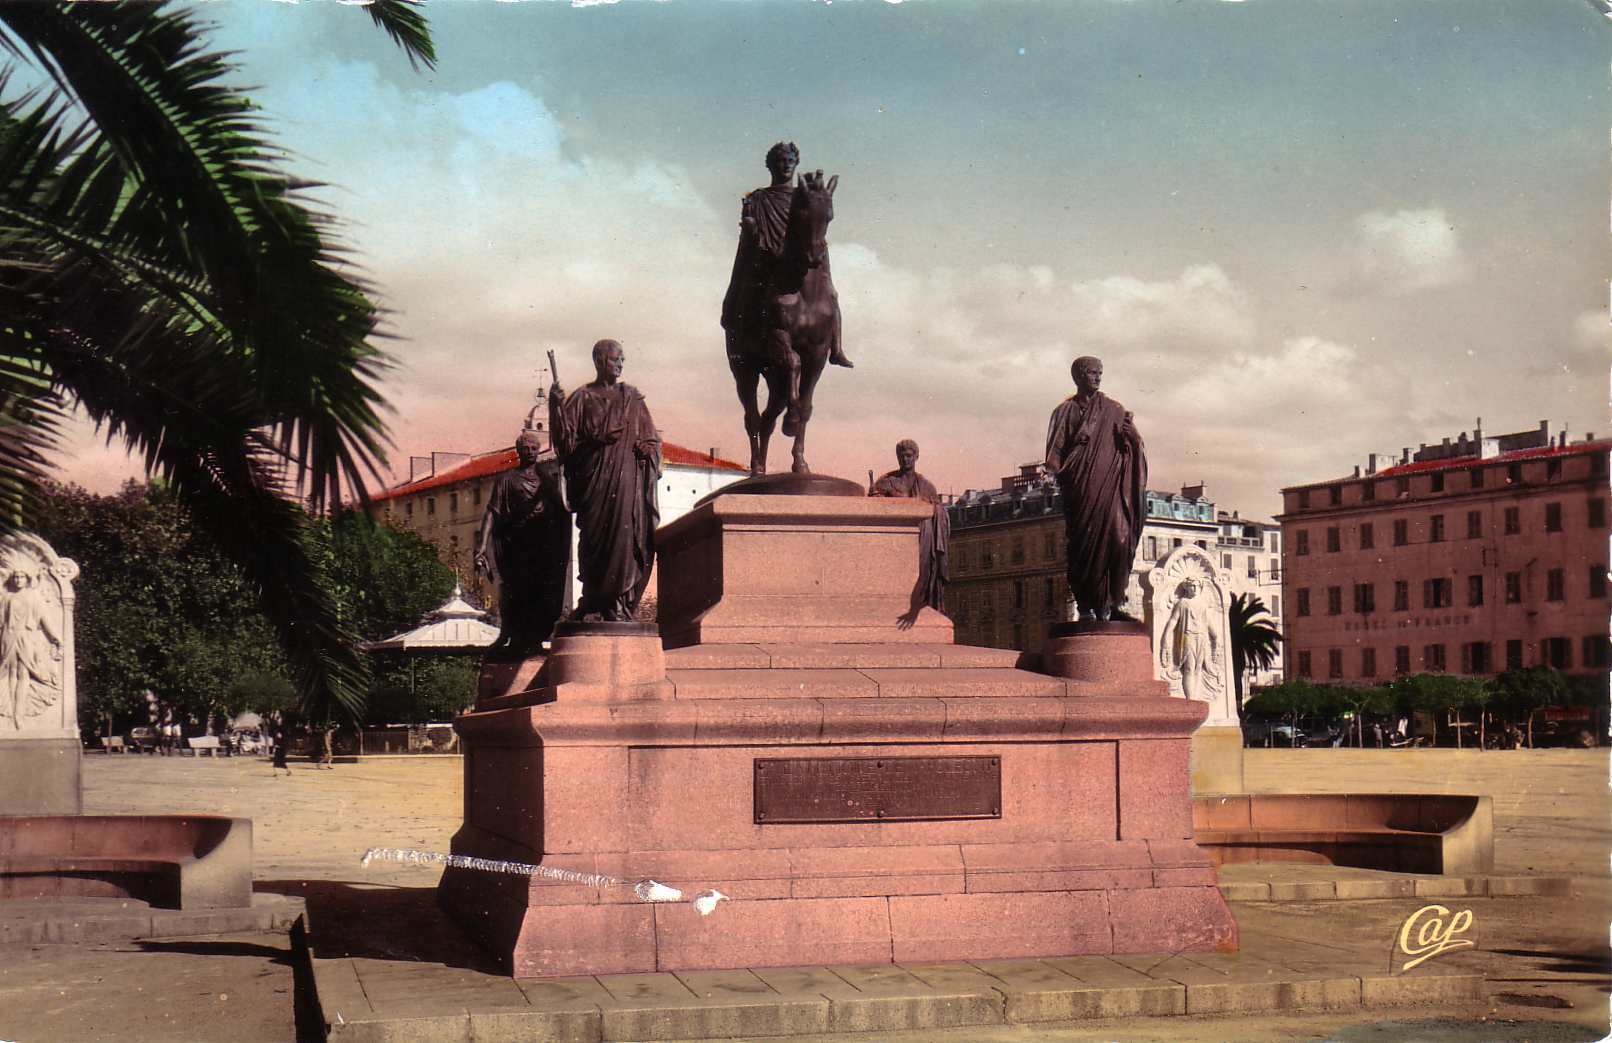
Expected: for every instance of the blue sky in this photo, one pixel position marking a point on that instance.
(1296, 232)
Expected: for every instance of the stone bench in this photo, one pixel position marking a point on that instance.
(114, 744)
(171, 862)
(1407, 833)
(207, 744)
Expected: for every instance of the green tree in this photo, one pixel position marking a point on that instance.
(1255, 641)
(1524, 692)
(161, 271)
(1439, 694)
(159, 606)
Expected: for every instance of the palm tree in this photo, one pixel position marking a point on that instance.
(162, 272)
(1255, 641)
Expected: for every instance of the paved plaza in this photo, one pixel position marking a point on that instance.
(1544, 958)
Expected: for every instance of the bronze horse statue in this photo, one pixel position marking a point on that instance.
(798, 328)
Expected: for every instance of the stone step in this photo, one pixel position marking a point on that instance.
(867, 683)
(824, 656)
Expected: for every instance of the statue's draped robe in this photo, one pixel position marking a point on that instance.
(933, 535)
(530, 555)
(761, 241)
(1102, 479)
(613, 492)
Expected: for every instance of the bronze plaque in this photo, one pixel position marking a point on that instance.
(877, 789)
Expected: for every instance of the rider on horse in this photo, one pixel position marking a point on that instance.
(763, 221)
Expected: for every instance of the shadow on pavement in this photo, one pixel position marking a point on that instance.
(272, 953)
(381, 922)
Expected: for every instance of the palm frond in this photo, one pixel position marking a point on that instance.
(403, 22)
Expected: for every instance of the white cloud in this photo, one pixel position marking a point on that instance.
(1406, 252)
(1591, 338)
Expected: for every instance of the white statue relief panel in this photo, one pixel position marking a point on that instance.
(38, 696)
(1187, 611)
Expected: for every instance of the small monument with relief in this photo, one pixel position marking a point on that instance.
(39, 740)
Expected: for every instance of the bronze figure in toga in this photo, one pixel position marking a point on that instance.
(933, 534)
(1097, 458)
(524, 546)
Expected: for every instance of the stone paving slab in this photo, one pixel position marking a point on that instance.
(1276, 882)
(369, 999)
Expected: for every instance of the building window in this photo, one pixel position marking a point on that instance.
(1513, 588)
(1334, 663)
(1553, 470)
(1303, 601)
(1436, 593)
(1595, 651)
(1018, 593)
(1304, 664)
(1368, 491)
(1301, 543)
(1276, 543)
(1401, 532)
(1368, 662)
(1368, 536)
(1475, 657)
(1435, 532)
(1335, 495)
(1334, 540)
(1598, 463)
(1334, 601)
(1437, 482)
(1304, 499)
(1474, 524)
(1553, 517)
(1049, 545)
(1276, 607)
(1253, 567)
(1513, 521)
(1017, 556)
(1597, 581)
(453, 503)
(1474, 590)
(1365, 598)
(1050, 593)
(1225, 561)
(1153, 548)
(1433, 658)
(1514, 474)
(1018, 636)
(408, 508)
(1201, 544)
(1597, 513)
(1514, 654)
(1559, 653)
(1401, 595)
(1175, 542)
(430, 505)
(1477, 477)
(987, 557)
(1402, 486)
(1276, 570)
(1556, 585)
(1402, 659)
(475, 495)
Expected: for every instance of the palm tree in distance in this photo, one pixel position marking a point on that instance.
(162, 272)
(1255, 641)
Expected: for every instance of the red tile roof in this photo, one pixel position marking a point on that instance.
(501, 460)
(1463, 462)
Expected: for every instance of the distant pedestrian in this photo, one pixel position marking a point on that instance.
(277, 737)
(1377, 732)
(327, 756)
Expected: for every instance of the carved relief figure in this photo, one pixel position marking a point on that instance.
(30, 641)
(524, 546)
(1190, 646)
(1096, 455)
(1187, 609)
(933, 535)
(611, 453)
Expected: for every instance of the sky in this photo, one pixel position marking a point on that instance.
(1296, 232)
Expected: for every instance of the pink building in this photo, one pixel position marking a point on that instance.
(1470, 557)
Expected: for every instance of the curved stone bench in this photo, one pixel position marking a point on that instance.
(168, 861)
(1406, 833)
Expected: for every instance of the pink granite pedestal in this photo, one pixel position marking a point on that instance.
(1085, 848)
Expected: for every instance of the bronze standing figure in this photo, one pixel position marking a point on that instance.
(1097, 457)
(933, 535)
(611, 454)
(524, 546)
